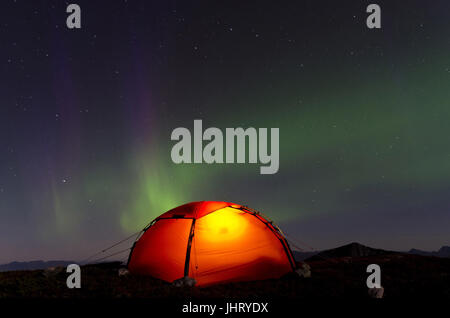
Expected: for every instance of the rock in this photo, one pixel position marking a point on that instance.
(123, 272)
(376, 292)
(304, 270)
(185, 281)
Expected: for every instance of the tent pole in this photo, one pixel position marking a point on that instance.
(188, 252)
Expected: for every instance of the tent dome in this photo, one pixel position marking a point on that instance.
(212, 242)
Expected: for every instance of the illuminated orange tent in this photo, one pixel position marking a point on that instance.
(212, 242)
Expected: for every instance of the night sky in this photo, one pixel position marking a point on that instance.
(86, 117)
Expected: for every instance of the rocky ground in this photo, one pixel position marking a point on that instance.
(403, 276)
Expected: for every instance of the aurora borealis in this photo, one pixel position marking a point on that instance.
(86, 117)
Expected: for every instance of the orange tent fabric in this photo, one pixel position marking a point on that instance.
(212, 242)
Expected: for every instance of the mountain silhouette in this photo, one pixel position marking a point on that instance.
(444, 251)
(301, 256)
(32, 265)
(350, 250)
